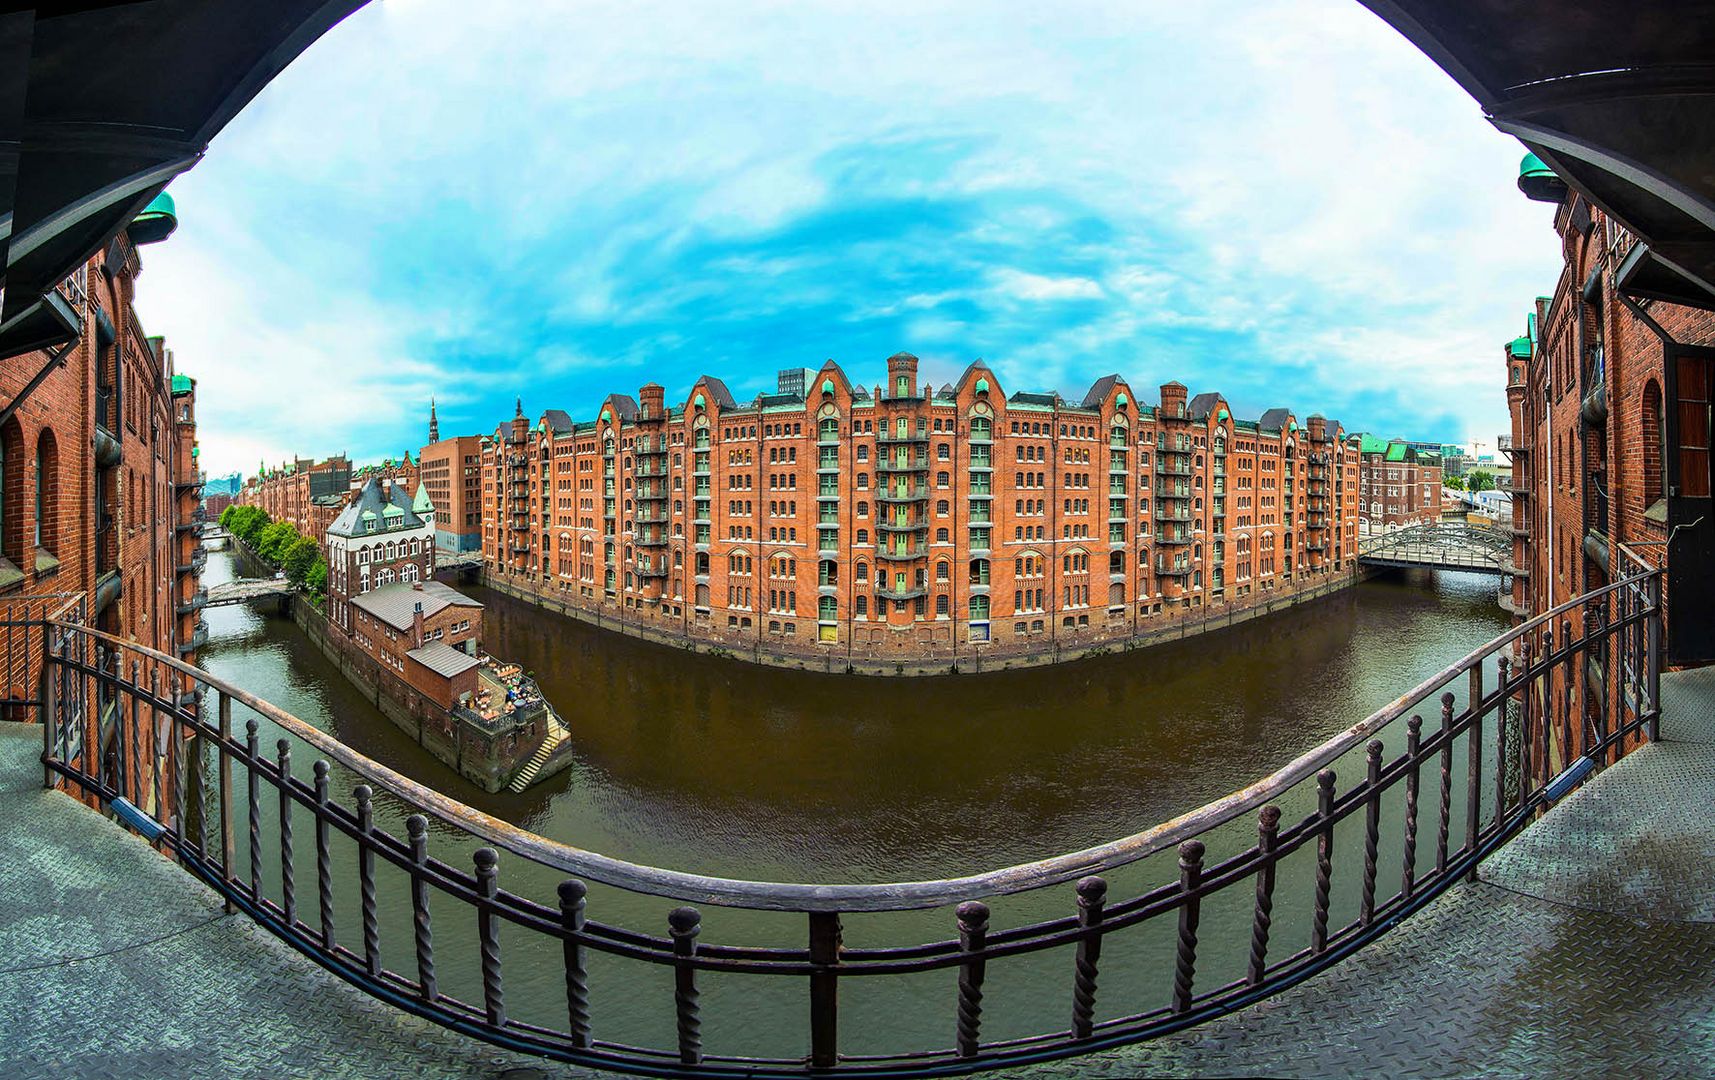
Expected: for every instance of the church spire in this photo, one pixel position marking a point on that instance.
(519, 415)
(434, 425)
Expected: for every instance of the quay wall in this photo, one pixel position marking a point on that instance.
(755, 645)
(488, 763)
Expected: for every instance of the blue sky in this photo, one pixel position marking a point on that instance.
(1283, 201)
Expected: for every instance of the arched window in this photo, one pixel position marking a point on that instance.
(11, 490)
(46, 481)
(1653, 447)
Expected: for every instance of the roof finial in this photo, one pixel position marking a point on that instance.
(434, 425)
(520, 413)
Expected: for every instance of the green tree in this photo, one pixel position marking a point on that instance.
(1480, 480)
(317, 579)
(1455, 482)
(271, 542)
(299, 556)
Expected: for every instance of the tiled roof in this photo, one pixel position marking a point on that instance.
(394, 604)
(372, 501)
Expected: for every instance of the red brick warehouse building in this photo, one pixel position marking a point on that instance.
(902, 522)
(1399, 485)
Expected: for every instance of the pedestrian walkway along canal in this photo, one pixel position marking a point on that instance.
(703, 765)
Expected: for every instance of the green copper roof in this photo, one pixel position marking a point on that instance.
(422, 502)
(1396, 451)
(183, 384)
(982, 386)
(368, 515)
(1530, 327)
(1519, 347)
(1121, 401)
(827, 386)
(1371, 444)
(697, 401)
(606, 415)
(1538, 182)
(156, 222)
(1532, 166)
(1222, 415)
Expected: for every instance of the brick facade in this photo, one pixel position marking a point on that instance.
(452, 471)
(912, 522)
(1398, 486)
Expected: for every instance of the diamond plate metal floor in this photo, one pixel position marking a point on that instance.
(1586, 950)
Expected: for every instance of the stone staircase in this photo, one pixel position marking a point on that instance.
(557, 734)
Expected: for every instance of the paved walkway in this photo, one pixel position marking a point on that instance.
(1587, 949)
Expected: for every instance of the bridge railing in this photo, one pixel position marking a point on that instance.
(529, 943)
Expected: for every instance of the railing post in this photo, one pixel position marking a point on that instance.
(324, 858)
(683, 925)
(366, 879)
(288, 883)
(1324, 859)
(422, 933)
(1413, 744)
(1474, 766)
(1268, 831)
(253, 785)
(1446, 807)
(1653, 662)
(49, 711)
(488, 935)
(225, 773)
(1504, 696)
(1568, 668)
(973, 916)
(572, 893)
(825, 940)
(1526, 730)
(1372, 831)
(1190, 914)
(181, 781)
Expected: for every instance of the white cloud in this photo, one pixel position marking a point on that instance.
(1026, 286)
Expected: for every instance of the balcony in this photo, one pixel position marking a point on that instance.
(905, 594)
(649, 539)
(651, 570)
(198, 638)
(1511, 606)
(893, 495)
(1163, 513)
(651, 470)
(198, 600)
(1173, 539)
(1507, 446)
(1163, 468)
(902, 440)
(1167, 568)
(903, 527)
(889, 465)
(902, 554)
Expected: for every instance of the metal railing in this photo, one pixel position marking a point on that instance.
(1184, 922)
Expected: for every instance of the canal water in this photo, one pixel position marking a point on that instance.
(702, 764)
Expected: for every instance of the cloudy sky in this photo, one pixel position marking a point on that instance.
(1278, 199)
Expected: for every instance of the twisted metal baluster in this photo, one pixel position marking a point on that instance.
(1324, 859)
(255, 799)
(572, 901)
(1413, 743)
(1092, 895)
(1190, 912)
(324, 861)
(1268, 833)
(288, 887)
(973, 933)
(417, 828)
(1446, 783)
(1372, 830)
(683, 925)
(366, 878)
(488, 934)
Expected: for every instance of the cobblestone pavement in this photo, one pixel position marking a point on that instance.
(1586, 949)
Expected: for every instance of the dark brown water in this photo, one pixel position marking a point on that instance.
(722, 767)
(716, 766)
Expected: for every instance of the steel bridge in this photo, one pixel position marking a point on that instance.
(1443, 545)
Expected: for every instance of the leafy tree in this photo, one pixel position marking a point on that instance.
(317, 578)
(1479, 480)
(271, 542)
(1457, 483)
(299, 555)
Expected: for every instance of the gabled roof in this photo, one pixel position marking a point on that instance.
(396, 603)
(1275, 419)
(723, 396)
(1099, 390)
(392, 503)
(1202, 405)
(559, 422)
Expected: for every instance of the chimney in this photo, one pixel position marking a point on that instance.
(417, 626)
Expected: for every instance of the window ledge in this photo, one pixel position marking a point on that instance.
(46, 564)
(10, 576)
(1657, 513)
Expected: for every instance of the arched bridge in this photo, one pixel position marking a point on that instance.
(245, 590)
(1443, 545)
